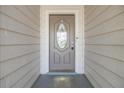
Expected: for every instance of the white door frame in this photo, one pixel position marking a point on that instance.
(79, 35)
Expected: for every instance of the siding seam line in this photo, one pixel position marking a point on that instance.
(9, 30)
(12, 58)
(24, 75)
(19, 44)
(90, 12)
(19, 68)
(32, 12)
(18, 21)
(98, 15)
(93, 78)
(87, 30)
(118, 60)
(26, 15)
(99, 74)
(105, 68)
(101, 34)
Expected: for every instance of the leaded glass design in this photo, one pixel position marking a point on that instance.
(61, 35)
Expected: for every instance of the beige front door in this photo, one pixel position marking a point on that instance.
(62, 43)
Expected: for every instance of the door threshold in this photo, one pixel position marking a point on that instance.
(61, 73)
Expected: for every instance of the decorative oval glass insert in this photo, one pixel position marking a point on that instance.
(61, 35)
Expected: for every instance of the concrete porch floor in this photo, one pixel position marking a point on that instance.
(62, 81)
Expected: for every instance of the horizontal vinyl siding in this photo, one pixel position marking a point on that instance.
(104, 45)
(19, 45)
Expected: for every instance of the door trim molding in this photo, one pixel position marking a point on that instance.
(45, 11)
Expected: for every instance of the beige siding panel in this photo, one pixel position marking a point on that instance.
(91, 79)
(23, 82)
(113, 38)
(95, 14)
(19, 45)
(104, 46)
(17, 38)
(12, 79)
(29, 15)
(11, 25)
(97, 77)
(115, 66)
(12, 65)
(108, 14)
(110, 51)
(33, 77)
(112, 79)
(9, 52)
(114, 24)
(33, 11)
(2, 83)
(12, 12)
(90, 10)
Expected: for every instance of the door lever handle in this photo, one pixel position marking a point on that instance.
(72, 45)
(72, 48)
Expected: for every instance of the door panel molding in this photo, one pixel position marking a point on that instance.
(79, 35)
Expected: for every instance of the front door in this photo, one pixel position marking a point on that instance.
(62, 43)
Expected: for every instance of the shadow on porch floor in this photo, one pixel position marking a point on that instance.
(62, 81)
